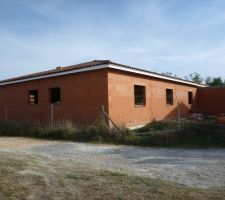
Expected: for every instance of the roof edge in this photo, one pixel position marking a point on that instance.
(147, 73)
(56, 74)
(108, 64)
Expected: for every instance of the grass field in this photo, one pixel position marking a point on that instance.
(36, 177)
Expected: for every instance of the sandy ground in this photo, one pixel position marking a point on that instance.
(195, 168)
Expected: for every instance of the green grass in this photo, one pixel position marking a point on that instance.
(78, 177)
(159, 126)
(192, 134)
(156, 134)
(98, 132)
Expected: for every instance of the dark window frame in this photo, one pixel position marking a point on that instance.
(169, 96)
(139, 95)
(55, 95)
(33, 98)
(190, 97)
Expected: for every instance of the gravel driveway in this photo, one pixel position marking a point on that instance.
(195, 168)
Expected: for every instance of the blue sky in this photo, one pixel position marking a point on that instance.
(178, 36)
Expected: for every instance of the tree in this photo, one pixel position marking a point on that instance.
(195, 77)
(214, 81)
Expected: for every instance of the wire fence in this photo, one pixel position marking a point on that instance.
(53, 115)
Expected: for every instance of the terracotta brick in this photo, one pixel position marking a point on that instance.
(122, 109)
(83, 94)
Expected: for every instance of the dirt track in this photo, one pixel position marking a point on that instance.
(196, 168)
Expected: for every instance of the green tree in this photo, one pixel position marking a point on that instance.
(195, 77)
(214, 81)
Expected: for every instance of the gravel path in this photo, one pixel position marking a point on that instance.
(195, 168)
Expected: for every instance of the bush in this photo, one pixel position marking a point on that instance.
(101, 133)
(35, 130)
(159, 126)
(98, 132)
(159, 134)
(193, 134)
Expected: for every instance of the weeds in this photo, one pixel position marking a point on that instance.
(78, 177)
(156, 134)
(192, 134)
(159, 126)
(98, 132)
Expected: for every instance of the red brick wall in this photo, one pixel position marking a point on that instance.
(82, 95)
(121, 98)
(212, 100)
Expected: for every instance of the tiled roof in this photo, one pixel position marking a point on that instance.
(59, 70)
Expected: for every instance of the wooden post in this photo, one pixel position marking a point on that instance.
(52, 116)
(105, 115)
(167, 138)
(6, 114)
(179, 114)
(103, 109)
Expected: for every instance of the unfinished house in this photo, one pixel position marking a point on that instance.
(76, 93)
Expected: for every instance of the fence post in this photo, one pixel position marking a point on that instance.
(103, 115)
(179, 114)
(6, 114)
(108, 119)
(52, 116)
